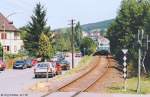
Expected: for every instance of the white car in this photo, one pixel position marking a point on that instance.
(44, 69)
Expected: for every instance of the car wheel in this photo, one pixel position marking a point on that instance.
(36, 76)
(57, 73)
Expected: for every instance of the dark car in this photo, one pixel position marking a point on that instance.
(78, 55)
(21, 64)
(65, 65)
(61, 57)
(28, 63)
(2, 65)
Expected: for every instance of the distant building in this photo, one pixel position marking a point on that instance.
(94, 35)
(85, 34)
(102, 42)
(9, 36)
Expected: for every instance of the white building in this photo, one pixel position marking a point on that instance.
(9, 36)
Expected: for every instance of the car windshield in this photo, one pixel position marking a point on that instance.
(42, 65)
(19, 61)
(64, 62)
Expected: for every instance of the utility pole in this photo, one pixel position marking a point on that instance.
(72, 41)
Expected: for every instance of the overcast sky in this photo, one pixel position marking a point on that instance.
(59, 12)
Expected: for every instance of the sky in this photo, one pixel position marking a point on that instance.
(60, 12)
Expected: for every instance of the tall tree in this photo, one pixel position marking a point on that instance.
(78, 35)
(124, 30)
(45, 47)
(35, 27)
(63, 42)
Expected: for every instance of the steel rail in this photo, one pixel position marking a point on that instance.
(58, 89)
(88, 87)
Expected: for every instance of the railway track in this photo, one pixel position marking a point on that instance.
(89, 78)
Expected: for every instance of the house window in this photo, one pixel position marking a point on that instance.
(6, 48)
(3, 35)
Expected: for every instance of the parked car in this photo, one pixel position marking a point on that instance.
(2, 65)
(20, 64)
(41, 69)
(29, 63)
(58, 68)
(65, 65)
(34, 62)
(60, 57)
(78, 55)
(66, 54)
(53, 59)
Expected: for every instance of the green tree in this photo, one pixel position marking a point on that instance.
(45, 47)
(63, 42)
(87, 46)
(23, 32)
(124, 30)
(78, 35)
(35, 27)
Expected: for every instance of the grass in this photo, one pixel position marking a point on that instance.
(131, 86)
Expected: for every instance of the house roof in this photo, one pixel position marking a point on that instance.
(103, 40)
(8, 25)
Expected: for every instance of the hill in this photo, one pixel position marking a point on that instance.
(97, 26)
(91, 26)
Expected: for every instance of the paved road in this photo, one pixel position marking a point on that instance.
(15, 82)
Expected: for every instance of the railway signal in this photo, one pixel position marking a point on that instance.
(125, 68)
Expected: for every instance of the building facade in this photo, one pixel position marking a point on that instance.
(9, 36)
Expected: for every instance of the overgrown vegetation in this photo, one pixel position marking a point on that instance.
(87, 46)
(131, 86)
(133, 16)
(35, 27)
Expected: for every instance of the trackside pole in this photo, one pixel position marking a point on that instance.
(125, 68)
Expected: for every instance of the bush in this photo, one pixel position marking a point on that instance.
(87, 46)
